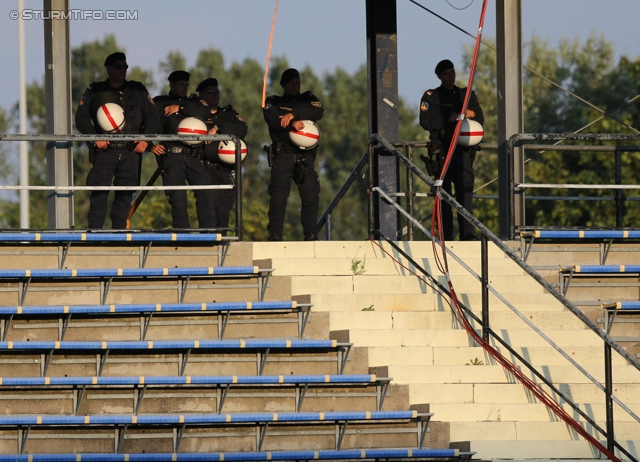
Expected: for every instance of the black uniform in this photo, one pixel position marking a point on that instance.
(229, 122)
(182, 163)
(118, 163)
(304, 106)
(436, 106)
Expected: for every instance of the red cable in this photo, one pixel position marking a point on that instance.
(443, 266)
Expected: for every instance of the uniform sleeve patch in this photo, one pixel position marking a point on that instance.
(239, 117)
(316, 103)
(267, 104)
(81, 101)
(424, 106)
(150, 99)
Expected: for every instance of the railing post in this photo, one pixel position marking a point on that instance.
(484, 256)
(409, 154)
(370, 193)
(619, 195)
(608, 390)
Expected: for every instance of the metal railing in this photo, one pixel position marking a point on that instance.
(488, 334)
(517, 197)
(67, 140)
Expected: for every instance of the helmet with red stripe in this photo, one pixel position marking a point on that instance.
(471, 133)
(308, 137)
(192, 126)
(110, 117)
(227, 151)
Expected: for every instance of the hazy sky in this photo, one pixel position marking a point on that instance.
(323, 34)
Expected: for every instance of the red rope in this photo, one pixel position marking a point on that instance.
(443, 266)
(266, 66)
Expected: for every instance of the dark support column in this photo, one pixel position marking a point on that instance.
(510, 164)
(382, 66)
(57, 57)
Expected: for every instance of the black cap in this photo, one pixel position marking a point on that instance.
(179, 76)
(114, 58)
(443, 65)
(210, 82)
(288, 75)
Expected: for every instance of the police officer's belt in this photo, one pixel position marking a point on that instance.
(196, 152)
(121, 145)
(215, 166)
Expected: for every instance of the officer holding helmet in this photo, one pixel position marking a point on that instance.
(439, 111)
(289, 162)
(116, 162)
(221, 120)
(182, 163)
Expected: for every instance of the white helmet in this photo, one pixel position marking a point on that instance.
(110, 117)
(227, 151)
(471, 133)
(308, 137)
(192, 126)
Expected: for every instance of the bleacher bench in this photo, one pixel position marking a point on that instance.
(611, 310)
(117, 425)
(527, 237)
(390, 454)
(567, 272)
(147, 310)
(79, 384)
(261, 347)
(108, 275)
(145, 240)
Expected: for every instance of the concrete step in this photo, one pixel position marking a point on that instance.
(497, 374)
(533, 450)
(459, 337)
(512, 393)
(382, 266)
(533, 431)
(366, 250)
(431, 301)
(366, 319)
(458, 356)
(364, 284)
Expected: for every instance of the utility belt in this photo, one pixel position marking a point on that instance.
(216, 166)
(191, 151)
(121, 146)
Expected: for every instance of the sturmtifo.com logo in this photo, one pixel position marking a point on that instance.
(81, 15)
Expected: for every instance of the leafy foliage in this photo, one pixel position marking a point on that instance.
(592, 83)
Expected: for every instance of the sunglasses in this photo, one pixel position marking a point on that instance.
(121, 66)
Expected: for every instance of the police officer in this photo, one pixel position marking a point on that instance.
(221, 120)
(181, 163)
(439, 111)
(115, 161)
(282, 114)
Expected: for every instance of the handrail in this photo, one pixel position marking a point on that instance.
(70, 138)
(609, 343)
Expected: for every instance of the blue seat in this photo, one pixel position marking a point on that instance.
(568, 272)
(261, 420)
(26, 276)
(611, 310)
(182, 347)
(226, 382)
(145, 240)
(224, 309)
(345, 455)
(606, 236)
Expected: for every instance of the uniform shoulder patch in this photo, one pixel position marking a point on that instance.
(81, 103)
(267, 104)
(316, 103)
(150, 99)
(239, 117)
(424, 106)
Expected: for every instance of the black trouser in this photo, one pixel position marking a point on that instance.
(280, 186)
(121, 168)
(460, 173)
(223, 199)
(181, 168)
